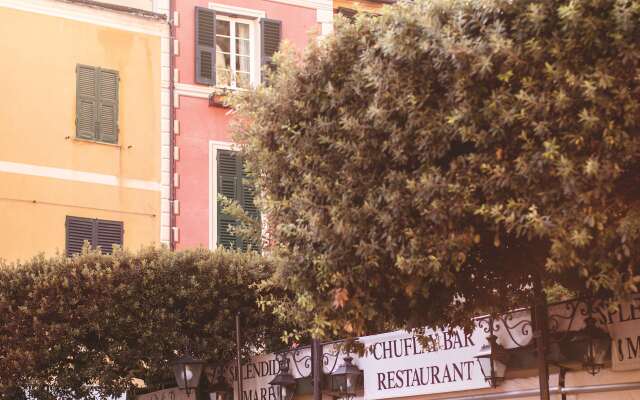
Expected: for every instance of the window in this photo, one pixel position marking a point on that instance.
(231, 49)
(233, 52)
(233, 184)
(97, 104)
(98, 232)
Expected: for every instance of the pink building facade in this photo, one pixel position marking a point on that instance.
(218, 46)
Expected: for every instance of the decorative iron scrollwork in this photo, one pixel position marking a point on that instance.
(562, 321)
(302, 359)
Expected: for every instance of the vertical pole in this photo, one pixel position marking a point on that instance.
(238, 355)
(561, 381)
(541, 335)
(316, 368)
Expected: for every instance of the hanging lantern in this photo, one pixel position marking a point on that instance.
(284, 383)
(595, 344)
(187, 371)
(493, 360)
(344, 379)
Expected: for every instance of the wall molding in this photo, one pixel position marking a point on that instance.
(92, 15)
(197, 91)
(77, 176)
(317, 4)
(240, 11)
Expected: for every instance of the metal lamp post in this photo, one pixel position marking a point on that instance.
(316, 360)
(284, 382)
(188, 371)
(493, 360)
(595, 343)
(546, 326)
(344, 379)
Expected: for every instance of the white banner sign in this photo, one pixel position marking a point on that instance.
(397, 365)
(257, 374)
(624, 328)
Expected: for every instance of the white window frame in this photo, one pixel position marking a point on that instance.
(214, 146)
(246, 16)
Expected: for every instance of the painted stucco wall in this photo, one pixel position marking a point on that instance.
(200, 123)
(51, 173)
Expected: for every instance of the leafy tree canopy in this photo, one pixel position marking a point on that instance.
(83, 327)
(428, 164)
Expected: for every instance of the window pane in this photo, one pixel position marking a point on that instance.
(242, 47)
(223, 44)
(243, 80)
(243, 64)
(223, 77)
(222, 27)
(223, 61)
(242, 30)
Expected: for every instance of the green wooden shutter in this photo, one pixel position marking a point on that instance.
(229, 184)
(270, 35)
(86, 102)
(77, 231)
(205, 61)
(248, 204)
(98, 232)
(234, 183)
(108, 106)
(108, 233)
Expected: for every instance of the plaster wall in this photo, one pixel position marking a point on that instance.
(42, 163)
(200, 123)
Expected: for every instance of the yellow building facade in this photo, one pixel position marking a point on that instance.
(84, 127)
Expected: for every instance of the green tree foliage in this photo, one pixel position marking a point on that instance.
(83, 327)
(427, 164)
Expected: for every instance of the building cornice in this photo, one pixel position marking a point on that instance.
(118, 8)
(83, 12)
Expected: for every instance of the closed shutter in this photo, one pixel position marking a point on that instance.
(78, 230)
(98, 232)
(108, 106)
(108, 234)
(229, 183)
(86, 102)
(248, 204)
(205, 46)
(271, 35)
(234, 184)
